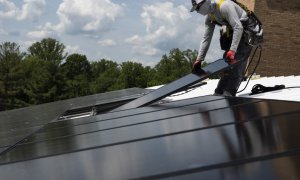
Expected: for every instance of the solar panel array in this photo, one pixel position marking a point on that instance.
(210, 137)
(16, 125)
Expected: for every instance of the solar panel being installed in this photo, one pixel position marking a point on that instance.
(180, 84)
(202, 137)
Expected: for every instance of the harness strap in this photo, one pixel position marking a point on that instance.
(249, 12)
(220, 2)
(212, 16)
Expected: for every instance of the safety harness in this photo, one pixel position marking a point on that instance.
(254, 34)
(213, 17)
(248, 11)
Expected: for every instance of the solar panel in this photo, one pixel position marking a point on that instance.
(15, 125)
(116, 123)
(8, 138)
(171, 155)
(264, 169)
(131, 112)
(177, 85)
(204, 137)
(134, 120)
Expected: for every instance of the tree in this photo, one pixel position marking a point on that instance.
(76, 64)
(36, 81)
(172, 66)
(133, 75)
(10, 57)
(41, 76)
(105, 75)
(52, 52)
(77, 73)
(49, 50)
(150, 74)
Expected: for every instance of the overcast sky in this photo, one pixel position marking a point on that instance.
(120, 30)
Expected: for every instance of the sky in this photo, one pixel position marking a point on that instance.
(119, 30)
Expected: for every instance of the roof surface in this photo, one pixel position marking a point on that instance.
(290, 94)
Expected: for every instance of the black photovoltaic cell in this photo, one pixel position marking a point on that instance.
(200, 150)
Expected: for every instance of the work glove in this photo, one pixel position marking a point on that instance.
(230, 57)
(196, 65)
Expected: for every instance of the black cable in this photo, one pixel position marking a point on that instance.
(258, 88)
(292, 87)
(258, 61)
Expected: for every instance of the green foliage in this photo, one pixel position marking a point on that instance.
(105, 75)
(150, 73)
(173, 66)
(49, 50)
(77, 72)
(133, 75)
(48, 74)
(10, 57)
(76, 64)
(36, 81)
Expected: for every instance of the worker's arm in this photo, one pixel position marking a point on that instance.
(229, 12)
(205, 43)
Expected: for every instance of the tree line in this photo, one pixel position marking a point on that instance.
(46, 73)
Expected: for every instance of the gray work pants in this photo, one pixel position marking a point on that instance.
(231, 79)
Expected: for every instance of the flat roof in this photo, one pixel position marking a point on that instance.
(289, 94)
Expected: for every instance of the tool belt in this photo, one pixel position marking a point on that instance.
(253, 31)
(252, 27)
(226, 38)
(253, 34)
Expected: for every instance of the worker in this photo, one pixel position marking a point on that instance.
(243, 31)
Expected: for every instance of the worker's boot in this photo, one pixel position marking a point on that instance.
(225, 93)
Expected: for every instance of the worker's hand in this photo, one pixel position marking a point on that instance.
(230, 56)
(197, 65)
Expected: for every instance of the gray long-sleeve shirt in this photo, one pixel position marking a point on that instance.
(230, 14)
